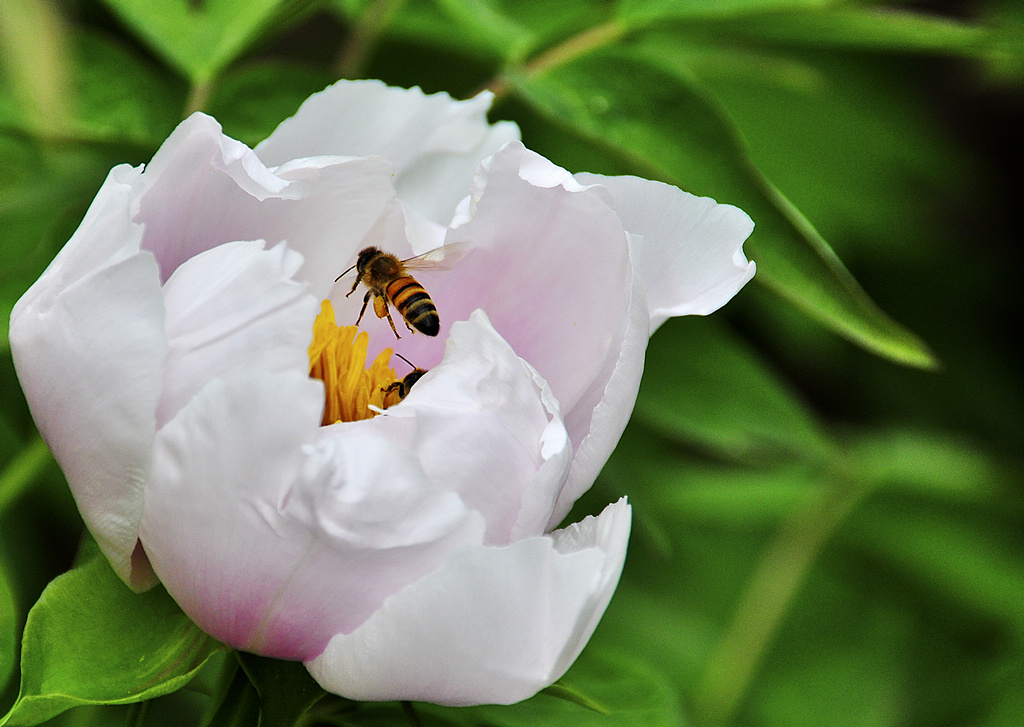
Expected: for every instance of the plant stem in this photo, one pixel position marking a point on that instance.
(771, 590)
(362, 41)
(198, 96)
(565, 52)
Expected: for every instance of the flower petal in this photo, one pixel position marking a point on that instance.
(229, 309)
(493, 625)
(549, 265)
(688, 250)
(203, 189)
(434, 141)
(88, 345)
(600, 416)
(274, 535)
(485, 425)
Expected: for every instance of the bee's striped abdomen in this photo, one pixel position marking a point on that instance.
(415, 305)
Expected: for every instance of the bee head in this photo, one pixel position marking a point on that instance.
(365, 256)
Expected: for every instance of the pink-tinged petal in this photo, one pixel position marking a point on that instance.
(599, 418)
(434, 141)
(550, 267)
(273, 534)
(88, 345)
(485, 425)
(493, 625)
(688, 250)
(203, 189)
(229, 309)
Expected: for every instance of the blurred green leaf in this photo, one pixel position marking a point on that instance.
(34, 64)
(286, 690)
(865, 28)
(91, 640)
(112, 96)
(484, 20)
(702, 385)
(632, 691)
(200, 39)
(239, 704)
(943, 467)
(44, 192)
(647, 11)
(21, 471)
(251, 101)
(966, 558)
(630, 100)
(514, 28)
(8, 626)
(854, 124)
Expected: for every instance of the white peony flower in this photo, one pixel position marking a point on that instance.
(166, 356)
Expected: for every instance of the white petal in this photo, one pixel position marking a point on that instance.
(485, 424)
(689, 249)
(229, 309)
(434, 141)
(274, 535)
(599, 418)
(88, 345)
(203, 189)
(493, 625)
(551, 269)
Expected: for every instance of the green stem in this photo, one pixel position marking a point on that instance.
(198, 96)
(137, 714)
(22, 471)
(410, 713)
(362, 41)
(776, 581)
(563, 53)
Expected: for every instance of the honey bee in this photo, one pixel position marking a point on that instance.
(388, 281)
(403, 386)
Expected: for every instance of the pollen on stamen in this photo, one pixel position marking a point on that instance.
(337, 356)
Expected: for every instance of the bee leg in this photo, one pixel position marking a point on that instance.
(391, 321)
(354, 286)
(380, 307)
(366, 299)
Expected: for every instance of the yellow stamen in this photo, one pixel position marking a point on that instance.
(337, 356)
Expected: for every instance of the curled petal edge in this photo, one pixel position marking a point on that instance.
(491, 626)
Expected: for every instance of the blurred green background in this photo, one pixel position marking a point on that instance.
(829, 507)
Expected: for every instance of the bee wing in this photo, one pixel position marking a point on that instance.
(441, 258)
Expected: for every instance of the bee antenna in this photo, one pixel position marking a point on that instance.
(344, 274)
(405, 359)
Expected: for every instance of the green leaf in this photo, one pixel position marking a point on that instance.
(560, 690)
(631, 102)
(21, 472)
(964, 559)
(201, 39)
(112, 96)
(702, 385)
(91, 640)
(632, 692)
(250, 102)
(285, 688)
(239, 705)
(646, 11)
(863, 28)
(44, 192)
(938, 466)
(8, 626)
(484, 20)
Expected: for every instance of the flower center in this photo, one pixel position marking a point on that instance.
(337, 356)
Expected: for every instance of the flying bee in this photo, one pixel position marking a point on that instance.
(387, 280)
(403, 386)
